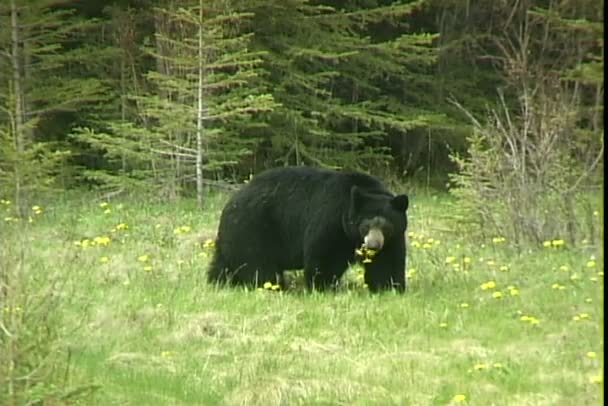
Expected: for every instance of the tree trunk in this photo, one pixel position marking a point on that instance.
(199, 119)
(18, 113)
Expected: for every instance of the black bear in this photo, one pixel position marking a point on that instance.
(315, 219)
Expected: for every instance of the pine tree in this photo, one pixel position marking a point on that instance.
(203, 91)
(36, 50)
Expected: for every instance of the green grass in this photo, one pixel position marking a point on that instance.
(152, 332)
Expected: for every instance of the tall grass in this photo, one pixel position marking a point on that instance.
(119, 313)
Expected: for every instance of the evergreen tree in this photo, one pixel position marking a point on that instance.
(202, 92)
(38, 47)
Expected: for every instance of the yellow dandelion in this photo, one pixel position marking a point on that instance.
(427, 246)
(513, 292)
(143, 258)
(37, 209)
(466, 260)
(591, 354)
(546, 243)
(497, 365)
(591, 264)
(459, 398)
(104, 260)
(491, 263)
(267, 285)
(411, 234)
(148, 268)
(557, 243)
(102, 240)
(503, 268)
(126, 283)
(596, 379)
(104, 205)
(498, 240)
(584, 316)
(107, 211)
(479, 367)
(576, 318)
(443, 325)
(430, 240)
(600, 273)
(497, 295)
(449, 260)
(588, 300)
(121, 226)
(488, 285)
(415, 244)
(275, 287)
(209, 243)
(167, 354)
(464, 305)
(564, 268)
(574, 277)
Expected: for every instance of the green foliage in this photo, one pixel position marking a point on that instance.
(37, 49)
(521, 180)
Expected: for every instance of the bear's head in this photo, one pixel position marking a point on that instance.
(374, 218)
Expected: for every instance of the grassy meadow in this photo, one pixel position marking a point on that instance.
(106, 304)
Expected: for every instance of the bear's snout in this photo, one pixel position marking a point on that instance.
(374, 239)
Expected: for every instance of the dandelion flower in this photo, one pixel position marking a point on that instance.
(143, 258)
(479, 367)
(564, 268)
(121, 226)
(459, 398)
(464, 305)
(557, 243)
(102, 240)
(466, 260)
(591, 264)
(503, 268)
(498, 240)
(209, 243)
(497, 295)
(449, 260)
(443, 325)
(267, 285)
(596, 379)
(488, 285)
(591, 354)
(546, 243)
(104, 260)
(148, 268)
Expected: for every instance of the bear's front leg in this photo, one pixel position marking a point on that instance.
(387, 268)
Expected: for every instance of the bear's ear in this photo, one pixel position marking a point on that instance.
(400, 203)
